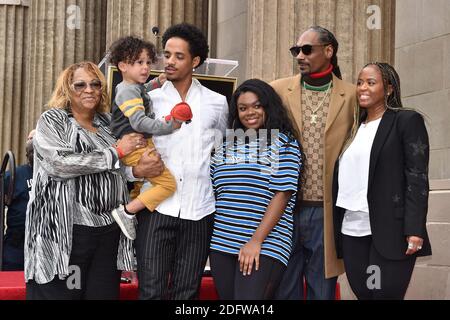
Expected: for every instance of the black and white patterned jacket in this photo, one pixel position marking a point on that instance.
(76, 180)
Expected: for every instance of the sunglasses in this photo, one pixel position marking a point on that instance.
(80, 86)
(307, 49)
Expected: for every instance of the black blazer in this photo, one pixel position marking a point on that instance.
(398, 186)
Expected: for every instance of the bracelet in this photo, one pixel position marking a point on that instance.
(120, 152)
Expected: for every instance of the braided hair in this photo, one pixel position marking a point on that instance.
(390, 77)
(392, 101)
(325, 37)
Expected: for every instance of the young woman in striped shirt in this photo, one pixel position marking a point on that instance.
(255, 174)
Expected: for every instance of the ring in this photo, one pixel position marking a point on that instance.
(410, 245)
(419, 247)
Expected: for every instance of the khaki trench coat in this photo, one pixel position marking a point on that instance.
(337, 129)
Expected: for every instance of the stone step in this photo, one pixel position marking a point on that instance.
(429, 283)
(439, 206)
(439, 233)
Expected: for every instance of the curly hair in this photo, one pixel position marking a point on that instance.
(198, 45)
(128, 49)
(62, 94)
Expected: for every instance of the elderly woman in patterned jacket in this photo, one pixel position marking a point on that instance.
(73, 247)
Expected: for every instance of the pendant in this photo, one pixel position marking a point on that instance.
(314, 119)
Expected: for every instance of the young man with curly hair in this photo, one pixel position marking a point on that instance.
(132, 112)
(172, 243)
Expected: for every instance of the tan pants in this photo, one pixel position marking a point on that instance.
(163, 186)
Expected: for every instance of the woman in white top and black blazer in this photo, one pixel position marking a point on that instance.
(379, 241)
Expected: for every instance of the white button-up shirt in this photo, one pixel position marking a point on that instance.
(353, 179)
(187, 151)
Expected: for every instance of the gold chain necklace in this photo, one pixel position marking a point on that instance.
(309, 98)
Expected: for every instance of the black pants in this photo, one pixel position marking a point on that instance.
(13, 250)
(231, 284)
(171, 255)
(363, 263)
(94, 254)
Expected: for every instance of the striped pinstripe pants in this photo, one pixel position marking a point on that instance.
(171, 255)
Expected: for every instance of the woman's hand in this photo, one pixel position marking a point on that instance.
(248, 254)
(414, 244)
(131, 142)
(150, 165)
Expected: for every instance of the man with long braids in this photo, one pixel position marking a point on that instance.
(323, 107)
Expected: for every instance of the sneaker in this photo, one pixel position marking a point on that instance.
(125, 223)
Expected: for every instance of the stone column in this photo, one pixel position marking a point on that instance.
(422, 57)
(13, 47)
(62, 32)
(363, 28)
(138, 17)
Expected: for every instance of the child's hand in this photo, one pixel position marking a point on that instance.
(162, 78)
(176, 124)
(180, 113)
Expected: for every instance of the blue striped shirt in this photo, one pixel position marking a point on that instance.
(245, 178)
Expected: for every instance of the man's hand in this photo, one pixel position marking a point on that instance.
(150, 165)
